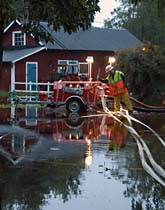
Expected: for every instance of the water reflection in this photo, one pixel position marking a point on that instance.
(63, 161)
(29, 187)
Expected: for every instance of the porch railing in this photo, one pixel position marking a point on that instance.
(31, 90)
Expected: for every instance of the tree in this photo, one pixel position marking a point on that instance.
(144, 68)
(160, 6)
(71, 15)
(143, 24)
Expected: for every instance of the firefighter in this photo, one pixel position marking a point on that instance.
(117, 88)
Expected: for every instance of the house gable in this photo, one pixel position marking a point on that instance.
(13, 37)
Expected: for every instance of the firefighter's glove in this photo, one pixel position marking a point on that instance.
(103, 80)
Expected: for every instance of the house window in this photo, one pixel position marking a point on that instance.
(68, 66)
(19, 38)
(83, 66)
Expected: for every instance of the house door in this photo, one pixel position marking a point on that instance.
(31, 75)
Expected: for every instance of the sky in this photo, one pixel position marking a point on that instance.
(106, 6)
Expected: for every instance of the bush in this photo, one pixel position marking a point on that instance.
(144, 68)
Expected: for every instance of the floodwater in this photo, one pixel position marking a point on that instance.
(55, 161)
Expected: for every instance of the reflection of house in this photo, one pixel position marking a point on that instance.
(25, 59)
(48, 138)
(15, 141)
(69, 137)
(20, 145)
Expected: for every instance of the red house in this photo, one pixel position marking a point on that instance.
(25, 59)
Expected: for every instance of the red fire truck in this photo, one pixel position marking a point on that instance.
(76, 95)
(76, 92)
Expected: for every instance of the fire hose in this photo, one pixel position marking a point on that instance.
(156, 171)
(145, 107)
(138, 105)
(142, 107)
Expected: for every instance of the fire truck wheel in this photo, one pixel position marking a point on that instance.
(75, 105)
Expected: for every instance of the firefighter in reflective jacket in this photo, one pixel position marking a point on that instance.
(117, 88)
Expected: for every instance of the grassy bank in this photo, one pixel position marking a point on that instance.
(4, 94)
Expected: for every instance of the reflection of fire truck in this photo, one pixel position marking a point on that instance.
(75, 128)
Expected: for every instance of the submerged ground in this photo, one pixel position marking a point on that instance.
(51, 160)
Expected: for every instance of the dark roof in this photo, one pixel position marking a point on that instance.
(97, 39)
(16, 55)
(94, 39)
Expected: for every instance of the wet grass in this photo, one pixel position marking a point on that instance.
(6, 106)
(4, 94)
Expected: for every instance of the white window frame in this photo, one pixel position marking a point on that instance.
(67, 62)
(13, 38)
(76, 62)
(81, 64)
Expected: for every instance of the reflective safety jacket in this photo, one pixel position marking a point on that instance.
(116, 83)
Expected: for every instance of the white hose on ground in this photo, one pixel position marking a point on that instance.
(137, 137)
(141, 144)
(156, 166)
(147, 168)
